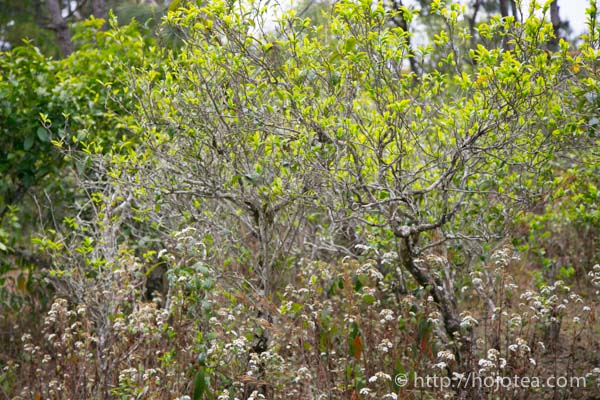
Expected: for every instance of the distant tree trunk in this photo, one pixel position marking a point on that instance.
(39, 13)
(504, 10)
(472, 20)
(59, 24)
(99, 9)
(513, 6)
(556, 24)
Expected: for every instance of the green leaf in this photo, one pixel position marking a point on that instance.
(42, 134)
(350, 44)
(368, 299)
(199, 385)
(174, 5)
(28, 143)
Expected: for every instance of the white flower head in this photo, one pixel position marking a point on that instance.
(468, 322)
(446, 355)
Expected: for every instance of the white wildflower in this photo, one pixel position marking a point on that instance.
(468, 322)
(386, 315)
(441, 365)
(446, 355)
(385, 346)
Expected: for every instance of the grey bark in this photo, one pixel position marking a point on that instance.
(513, 7)
(504, 12)
(472, 21)
(556, 24)
(60, 26)
(99, 9)
(445, 300)
(504, 8)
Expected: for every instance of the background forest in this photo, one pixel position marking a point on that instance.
(243, 200)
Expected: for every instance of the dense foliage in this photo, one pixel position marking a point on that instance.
(301, 209)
